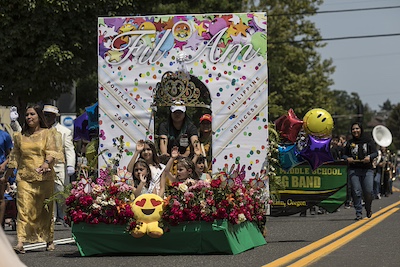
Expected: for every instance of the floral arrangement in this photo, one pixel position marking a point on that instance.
(228, 196)
(105, 199)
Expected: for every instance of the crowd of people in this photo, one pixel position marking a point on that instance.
(370, 173)
(45, 157)
(371, 169)
(184, 153)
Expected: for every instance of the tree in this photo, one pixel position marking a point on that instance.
(54, 45)
(348, 108)
(298, 77)
(386, 106)
(393, 125)
(47, 45)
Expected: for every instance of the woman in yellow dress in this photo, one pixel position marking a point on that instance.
(36, 149)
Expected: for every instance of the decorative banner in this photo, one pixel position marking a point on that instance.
(222, 54)
(305, 188)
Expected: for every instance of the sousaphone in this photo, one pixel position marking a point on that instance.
(382, 136)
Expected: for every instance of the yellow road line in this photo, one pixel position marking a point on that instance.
(313, 257)
(317, 244)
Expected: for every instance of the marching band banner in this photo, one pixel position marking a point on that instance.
(225, 53)
(325, 187)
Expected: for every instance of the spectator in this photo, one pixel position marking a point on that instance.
(14, 124)
(336, 150)
(5, 148)
(63, 170)
(36, 150)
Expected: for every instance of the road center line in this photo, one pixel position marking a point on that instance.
(313, 257)
(319, 243)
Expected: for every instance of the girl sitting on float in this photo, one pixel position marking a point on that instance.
(201, 168)
(185, 168)
(141, 177)
(147, 151)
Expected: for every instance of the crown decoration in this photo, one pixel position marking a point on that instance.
(177, 86)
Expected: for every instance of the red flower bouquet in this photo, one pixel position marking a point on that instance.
(229, 196)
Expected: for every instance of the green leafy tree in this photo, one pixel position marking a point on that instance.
(386, 106)
(394, 126)
(298, 77)
(47, 45)
(200, 7)
(54, 45)
(347, 108)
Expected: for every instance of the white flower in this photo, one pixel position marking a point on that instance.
(111, 202)
(183, 187)
(97, 188)
(96, 206)
(241, 218)
(98, 200)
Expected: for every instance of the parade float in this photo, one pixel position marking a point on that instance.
(213, 63)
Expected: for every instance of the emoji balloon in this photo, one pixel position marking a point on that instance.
(318, 122)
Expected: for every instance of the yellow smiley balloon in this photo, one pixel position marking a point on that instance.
(318, 122)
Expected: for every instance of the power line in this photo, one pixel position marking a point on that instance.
(356, 9)
(357, 37)
(367, 56)
(334, 11)
(339, 38)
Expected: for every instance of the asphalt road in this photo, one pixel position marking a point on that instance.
(291, 240)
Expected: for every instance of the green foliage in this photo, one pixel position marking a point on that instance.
(387, 106)
(298, 77)
(394, 126)
(47, 45)
(273, 161)
(199, 7)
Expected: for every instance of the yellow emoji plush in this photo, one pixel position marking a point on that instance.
(148, 209)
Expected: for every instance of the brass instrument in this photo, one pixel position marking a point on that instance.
(383, 137)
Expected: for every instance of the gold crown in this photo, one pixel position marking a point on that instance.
(179, 86)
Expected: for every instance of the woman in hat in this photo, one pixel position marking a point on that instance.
(178, 131)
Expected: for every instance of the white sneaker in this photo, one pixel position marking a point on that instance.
(379, 196)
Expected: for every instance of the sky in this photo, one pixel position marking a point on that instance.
(367, 66)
